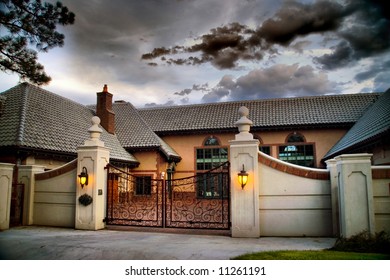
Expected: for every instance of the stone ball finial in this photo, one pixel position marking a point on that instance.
(243, 111)
(95, 130)
(95, 120)
(244, 124)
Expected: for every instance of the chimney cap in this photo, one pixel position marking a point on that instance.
(105, 88)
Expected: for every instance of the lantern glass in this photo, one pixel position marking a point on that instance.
(83, 177)
(242, 177)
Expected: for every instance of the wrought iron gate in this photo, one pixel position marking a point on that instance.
(201, 201)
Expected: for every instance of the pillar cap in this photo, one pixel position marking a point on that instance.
(244, 124)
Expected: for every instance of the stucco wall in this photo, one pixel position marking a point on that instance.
(55, 196)
(185, 145)
(293, 201)
(381, 192)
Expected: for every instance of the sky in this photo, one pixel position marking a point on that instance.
(180, 52)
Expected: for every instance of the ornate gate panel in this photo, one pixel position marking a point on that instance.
(132, 200)
(201, 201)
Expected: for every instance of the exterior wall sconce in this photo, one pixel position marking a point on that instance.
(243, 177)
(83, 177)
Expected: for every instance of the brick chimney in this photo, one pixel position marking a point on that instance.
(104, 110)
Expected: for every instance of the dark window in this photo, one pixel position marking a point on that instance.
(212, 185)
(143, 185)
(297, 154)
(211, 141)
(265, 149)
(295, 138)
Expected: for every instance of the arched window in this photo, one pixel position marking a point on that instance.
(263, 148)
(209, 156)
(211, 141)
(295, 138)
(297, 153)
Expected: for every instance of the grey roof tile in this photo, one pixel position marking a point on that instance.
(374, 122)
(134, 133)
(38, 119)
(268, 113)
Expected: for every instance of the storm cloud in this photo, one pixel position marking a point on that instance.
(362, 28)
(277, 81)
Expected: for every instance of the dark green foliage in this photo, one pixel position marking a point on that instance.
(364, 242)
(26, 23)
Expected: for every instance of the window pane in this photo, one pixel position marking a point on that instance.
(211, 141)
(143, 185)
(295, 138)
(265, 149)
(298, 154)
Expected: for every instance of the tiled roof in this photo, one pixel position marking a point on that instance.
(38, 119)
(375, 122)
(269, 113)
(134, 133)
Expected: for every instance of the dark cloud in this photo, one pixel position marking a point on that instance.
(361, 26)
(276, 81)
(366, 33)
(379, 71)
(166, 104)
(187, 91)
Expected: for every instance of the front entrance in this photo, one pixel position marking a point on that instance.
(201, 201)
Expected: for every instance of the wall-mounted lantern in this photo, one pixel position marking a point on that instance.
(83, 177)
(243, 177)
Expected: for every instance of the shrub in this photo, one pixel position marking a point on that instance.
(364, 242)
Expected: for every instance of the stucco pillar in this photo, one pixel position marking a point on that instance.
(6, 172)
(26, 176)
(334, 192)
(244, 201)
(94, 157)
(355, 194)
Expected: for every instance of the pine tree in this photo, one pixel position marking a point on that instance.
(27, 27)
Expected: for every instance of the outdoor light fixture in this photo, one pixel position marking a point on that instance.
(83, 177)
(243, 177)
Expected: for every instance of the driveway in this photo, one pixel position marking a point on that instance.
(49, 243)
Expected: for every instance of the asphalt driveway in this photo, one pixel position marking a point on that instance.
(50, 243)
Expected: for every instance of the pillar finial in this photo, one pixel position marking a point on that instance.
(244, 124)
(94, 133)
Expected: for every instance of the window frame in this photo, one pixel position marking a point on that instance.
(214, 154)
(143, 188)
(297, 156)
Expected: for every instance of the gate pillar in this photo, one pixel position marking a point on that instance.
(6, 171)
(92, 158)
(244, 200)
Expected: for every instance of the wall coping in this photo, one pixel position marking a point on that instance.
(380, 172)
(286, 167)
(57, 171)
(6, 166)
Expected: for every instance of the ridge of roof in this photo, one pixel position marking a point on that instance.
(275, 99)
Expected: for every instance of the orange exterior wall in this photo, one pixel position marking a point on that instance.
(185, 145)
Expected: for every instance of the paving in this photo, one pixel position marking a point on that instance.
(50, 243)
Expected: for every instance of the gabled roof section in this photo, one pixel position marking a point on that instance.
(34, 118)
(374, 124)
(134, 133)
(332, 110)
